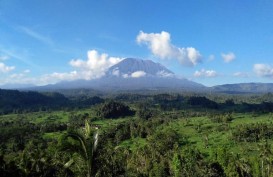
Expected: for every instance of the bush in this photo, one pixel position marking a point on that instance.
(145, 113)
(114, 109)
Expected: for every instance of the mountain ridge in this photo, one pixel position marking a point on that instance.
(251, 87)
(132, 74)
(129, 66)
(137, 74)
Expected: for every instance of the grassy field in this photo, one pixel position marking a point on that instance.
(206, 135)
(201, 132)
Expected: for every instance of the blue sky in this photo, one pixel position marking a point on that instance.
(211, 42)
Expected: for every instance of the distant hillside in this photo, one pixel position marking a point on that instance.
(19, 101)
(16, 86)
(14, 100)
(244, 88)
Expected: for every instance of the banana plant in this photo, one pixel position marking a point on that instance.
(87, 139)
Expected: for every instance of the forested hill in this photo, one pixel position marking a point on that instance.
(18, 101)
(244, 88)
(13, 100)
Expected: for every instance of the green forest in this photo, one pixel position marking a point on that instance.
(49, 134)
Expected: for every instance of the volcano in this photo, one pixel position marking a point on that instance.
(133, 74)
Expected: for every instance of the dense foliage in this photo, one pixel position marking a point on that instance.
(113, 109)
(136, 135)
(14, 101)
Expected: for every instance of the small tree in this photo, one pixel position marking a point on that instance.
(144, 113)
(87, 144)
(114, 109)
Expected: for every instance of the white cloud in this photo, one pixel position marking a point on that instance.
(95, 66)
(164, 74)
(205, 73)
(263, 70)
(115, 72)
(125, 76)
(241, 74)
(56, 77)
(161, 46)
(228, 57)
(138, 74)
(17, 76)
(4, 68)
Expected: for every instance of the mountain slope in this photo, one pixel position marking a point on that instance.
(32, 101)
(244, 88)
(130, 65)
(16, 86)
(133, 74)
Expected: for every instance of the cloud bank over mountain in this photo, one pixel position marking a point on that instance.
(95, 66)
(263, 70)
(205, 73)
(132, 74)
(161, 46)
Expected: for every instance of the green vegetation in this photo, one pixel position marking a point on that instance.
(13, 101)
(114, 109)
(138, 135)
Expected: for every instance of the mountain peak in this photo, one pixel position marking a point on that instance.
(134, 74)
(132, 67)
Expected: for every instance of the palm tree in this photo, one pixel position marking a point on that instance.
(88, 142)
(34, 161)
